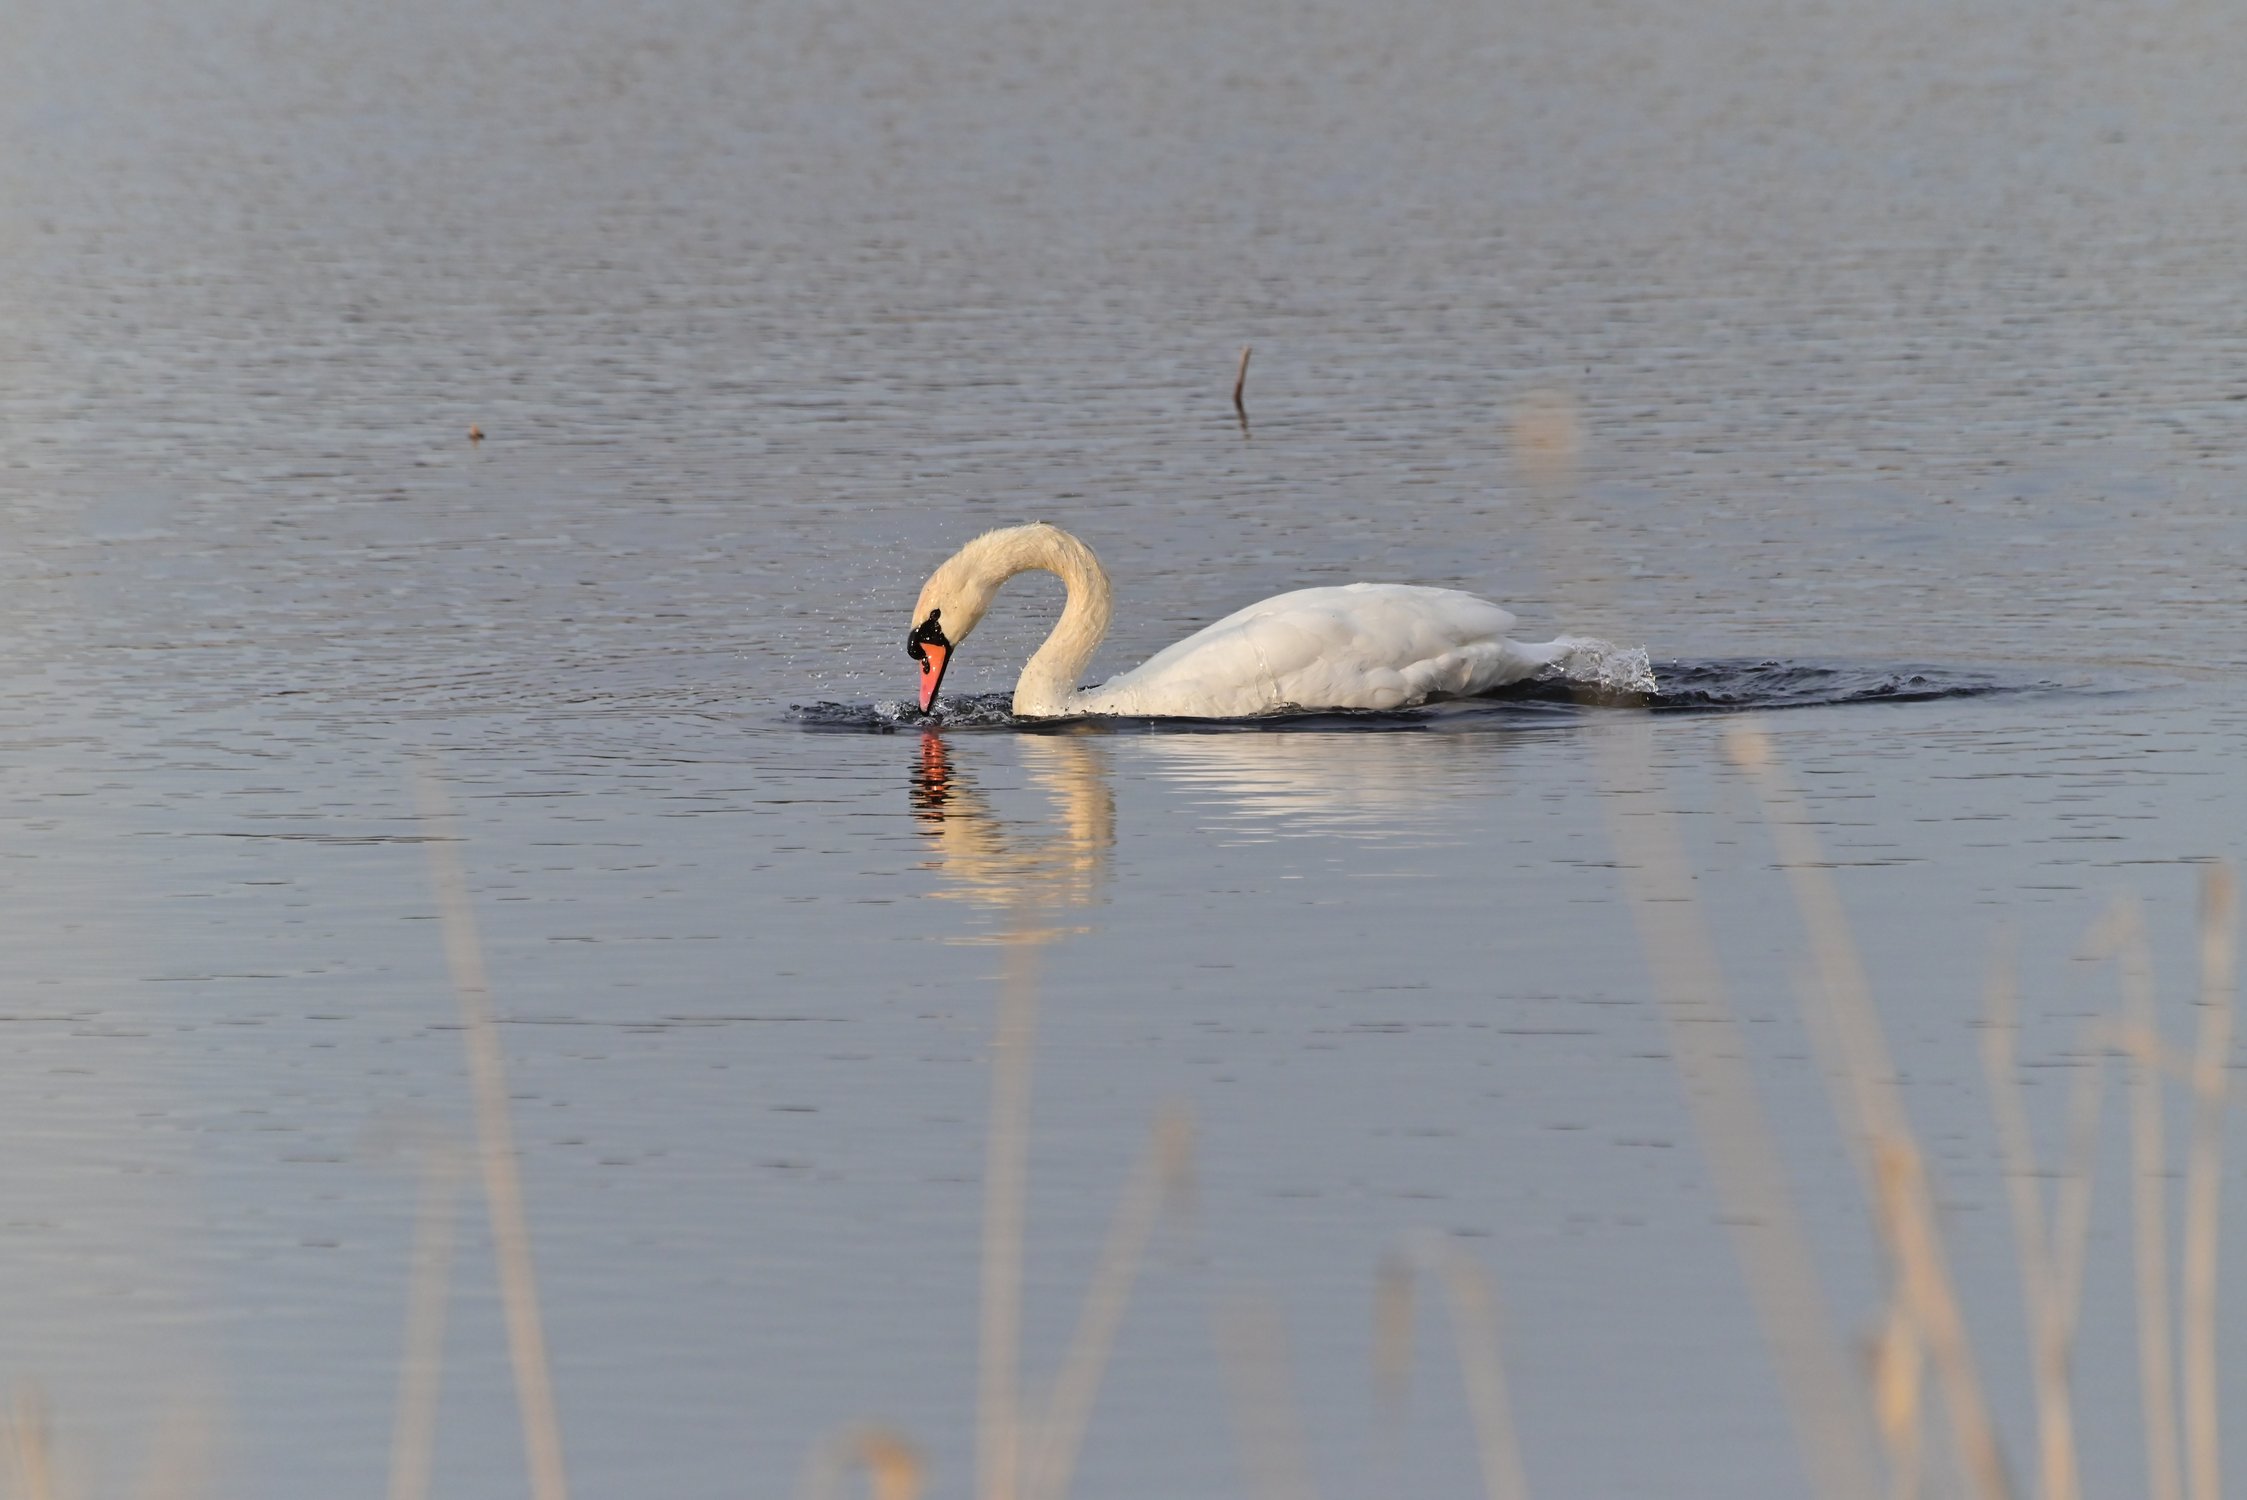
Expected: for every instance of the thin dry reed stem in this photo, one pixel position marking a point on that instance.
(998, 1428)
(1905, 1202)
(1895, 1354)
(1395, 1296)
(2121, 935)
(1267, 1425)
(2071, 1216)
(2203, 1180)
(1474, 1328)
(1159, 1178)
(1474, 1307)
(2069, 1240)
(495, 1144)
(1240, 383)
(421, 1369)
(2050, 1324)
(1917, 1250)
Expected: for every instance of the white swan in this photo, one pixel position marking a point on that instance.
(1362, 645)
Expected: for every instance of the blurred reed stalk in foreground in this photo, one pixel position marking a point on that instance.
(421, 1367)
(1870, 1107)
(1267, 1420)
(1925, 1321)
(495, 1143)
(998, 1427)
(1163, 1179)
(2211, 1072)
(2050, 1250)
(1824, 1401)
(1473, 1307)
(1027, 1450)
(2122, 936)
(28, 1446)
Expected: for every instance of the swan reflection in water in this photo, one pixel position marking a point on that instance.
(1030, 870)
(1404, 788)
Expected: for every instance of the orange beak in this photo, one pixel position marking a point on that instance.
(933, 658)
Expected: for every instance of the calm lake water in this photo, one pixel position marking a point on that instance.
(1902, 335)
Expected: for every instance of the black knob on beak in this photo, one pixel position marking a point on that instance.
(927, 633)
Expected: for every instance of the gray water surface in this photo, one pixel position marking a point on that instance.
(1904, 333)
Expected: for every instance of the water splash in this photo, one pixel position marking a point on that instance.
(1605, 668)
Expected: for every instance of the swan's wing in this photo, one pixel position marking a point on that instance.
(1365, 645)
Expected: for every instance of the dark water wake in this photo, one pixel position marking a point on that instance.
(1721, 686)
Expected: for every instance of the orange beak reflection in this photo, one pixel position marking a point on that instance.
(932, 780)
(933, 658)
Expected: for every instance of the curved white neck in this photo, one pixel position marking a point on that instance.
(962, 588)
(1049, 679)
(980, 566)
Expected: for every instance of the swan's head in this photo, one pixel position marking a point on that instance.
(958, 594)
(927, 645)
(952, 603)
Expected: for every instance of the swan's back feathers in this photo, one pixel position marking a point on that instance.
(1362, 645)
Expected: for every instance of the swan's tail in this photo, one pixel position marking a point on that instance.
(1588, 661)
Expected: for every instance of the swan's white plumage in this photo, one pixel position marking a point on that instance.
(1361, 645)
